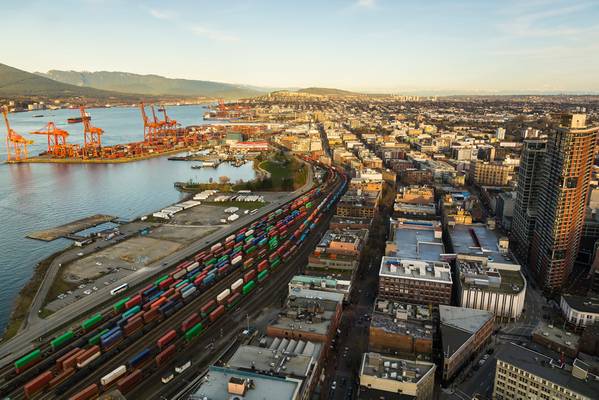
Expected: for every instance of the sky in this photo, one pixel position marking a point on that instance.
(365, 45)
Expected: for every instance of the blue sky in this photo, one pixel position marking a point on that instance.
(370, 45)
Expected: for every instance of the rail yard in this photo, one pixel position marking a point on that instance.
(148, 330)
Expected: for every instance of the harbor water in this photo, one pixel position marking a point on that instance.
(40, 196)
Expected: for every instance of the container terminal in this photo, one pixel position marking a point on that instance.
(161, 136)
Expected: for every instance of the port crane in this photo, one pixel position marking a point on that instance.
(151, 129)
(161, 125)
(57, 141)
(92, 136)
(16, 145)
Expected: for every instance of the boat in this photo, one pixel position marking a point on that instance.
(76, 120)
(38, 116)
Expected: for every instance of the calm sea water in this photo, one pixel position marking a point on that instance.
(40, 196)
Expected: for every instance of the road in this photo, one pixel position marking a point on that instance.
(22, 343)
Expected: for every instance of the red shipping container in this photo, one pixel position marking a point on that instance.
(190, 322)
(128, 382)
(135, 300)
(37, 384)
(66, 356)
(233, 299)
(58, 379)
(87, 354)
(168, 293)
(208, 306)
(214, 315)
(158, 303)
(166, 339)
(165, 355)
(72, 360)
(198, 281)
(133, 327)
(88, 393)
(151, 315)
(166, 283)
(249, 276)
(262, 266)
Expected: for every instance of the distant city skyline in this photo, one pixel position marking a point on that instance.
(538, 46)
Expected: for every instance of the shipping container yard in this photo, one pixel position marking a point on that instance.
(147, 330)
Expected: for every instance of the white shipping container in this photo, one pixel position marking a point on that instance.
(236, 260)
(223, 295)
(183, 367)
(236, 285)
(188, 291)
(114, 375)
(162, 215)
(179, 274)
(192, 266)
(229, 238)
(249, 233)
(90, 359)
(215, 247)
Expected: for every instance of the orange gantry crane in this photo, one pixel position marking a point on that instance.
(57, 141)
(151, 129)
(92, 136)
(162, 131)
(16, 145)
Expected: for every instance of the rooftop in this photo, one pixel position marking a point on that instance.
(458, 324)
(484, 275)
(437, 271)
(403, 318)
(316, 294)
(215, 386)
(547, 366)
(397, 369)
(557, 335)
(279, 363)
(584, 304)
(419, 240)
(478, 240)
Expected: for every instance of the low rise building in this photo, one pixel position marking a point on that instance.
(493, 286)
(321, 284)
(354, 205)
(580, 311)
(415, 195)
(343, 223)
(417, 281)
(556, 339)
(384, 377)
(522, 373)
(403, 329)
(464, 333)
(338, 252)
(227, 383)
(491, 173)
(415, 239)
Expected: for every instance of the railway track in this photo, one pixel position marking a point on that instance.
(153, 331)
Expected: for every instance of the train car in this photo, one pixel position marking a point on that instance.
(216, 247)
(194, 331)
(192, 266)
(190, 321)
(133, 325)
(236, 286)
(111, 377)
(179, 274)
(165, 355)
(248, 276)
(218, 312)
(166, 378)
(92, 322)
(88, 393)
(158, 281)
(262, 275)
(166, 339)
(119, 305)
(60, 378)
(38, 384)
(96, 338)
(127, 383)
(61, 340)
(166, 283)
(262, 266)
(233, 300)
(222, 296)
(61, 362)
(88, 356)
(140, 358)
(208, 308)
(248, 287)
(135, 300)
(150, 315)
(188, 291)
(181, 368)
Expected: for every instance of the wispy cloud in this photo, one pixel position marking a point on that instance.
(162, 14)
(534, 23)
(213, 34)
(365, 3)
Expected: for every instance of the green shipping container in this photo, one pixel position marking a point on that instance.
(238, 248)
(194, 332)
(183, 282)
(262, 275)
(251, 250)
(62, 339)
(275, 263)
(159, 280)
(211, 261)
(248, 287)
(91, 322)
(28, 359)
(118, 306)
(309, 205)
(96, 338)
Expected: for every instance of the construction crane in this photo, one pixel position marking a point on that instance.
(57, 141)
(92, 136)
(16, 145)
(151, 129)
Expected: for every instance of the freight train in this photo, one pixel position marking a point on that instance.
(253, 253)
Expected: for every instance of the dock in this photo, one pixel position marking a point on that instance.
(70, 228)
